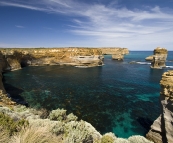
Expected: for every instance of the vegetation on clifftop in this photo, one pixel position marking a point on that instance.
(19, 124)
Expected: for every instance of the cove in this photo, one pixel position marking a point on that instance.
(118, 97)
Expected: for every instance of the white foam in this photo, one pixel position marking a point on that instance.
(169, 66)
(144, 63)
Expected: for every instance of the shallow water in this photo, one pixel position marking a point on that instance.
(118, 97)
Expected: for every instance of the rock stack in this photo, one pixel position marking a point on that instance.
(159, 58)
(162, 128)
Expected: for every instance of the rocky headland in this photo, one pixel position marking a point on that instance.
(18, 58)
(88, 57)
(162, 128)
(159, 58)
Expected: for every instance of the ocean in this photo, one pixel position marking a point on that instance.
(118, 97)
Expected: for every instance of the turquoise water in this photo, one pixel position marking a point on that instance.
(118, 97)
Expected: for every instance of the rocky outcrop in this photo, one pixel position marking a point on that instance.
(5, 100)
(118, 57)
(159, 58)
(162, 128)
(149, 58)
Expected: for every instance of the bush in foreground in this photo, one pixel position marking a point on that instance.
(34, 134)
(9, 125)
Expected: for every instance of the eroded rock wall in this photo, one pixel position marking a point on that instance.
(52, 56)
(159, 58)
(162, 128)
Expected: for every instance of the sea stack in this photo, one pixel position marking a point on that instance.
(159, 58)
(162, 128)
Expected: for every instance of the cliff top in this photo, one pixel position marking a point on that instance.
(159, 50)
(167, 78)
(167, 84)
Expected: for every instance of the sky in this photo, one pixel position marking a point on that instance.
(133, 24)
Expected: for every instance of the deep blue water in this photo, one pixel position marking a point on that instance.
(118, 97)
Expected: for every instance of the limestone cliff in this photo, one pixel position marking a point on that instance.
(159, 58)
(162, 128)
(114, 51)
(117, 53)
(52, 56)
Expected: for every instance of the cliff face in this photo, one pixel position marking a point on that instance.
(159, 58)
(52, 56)
(162, 128)
(3, 65)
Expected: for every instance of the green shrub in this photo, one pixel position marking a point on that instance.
(60, 115)
(11, 126)
(71, 117)
(108, 138)
(77, 132)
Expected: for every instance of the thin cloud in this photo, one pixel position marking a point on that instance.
(109, 24)
(19, 26)
(22, 6)
(48, 28)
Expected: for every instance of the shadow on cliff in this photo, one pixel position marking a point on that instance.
(14, 93)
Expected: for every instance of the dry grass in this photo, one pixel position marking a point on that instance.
(34, 134)
(4, 136)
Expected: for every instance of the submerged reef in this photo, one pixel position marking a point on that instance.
(162, 128)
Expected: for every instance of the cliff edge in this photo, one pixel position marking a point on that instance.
(162, 128)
